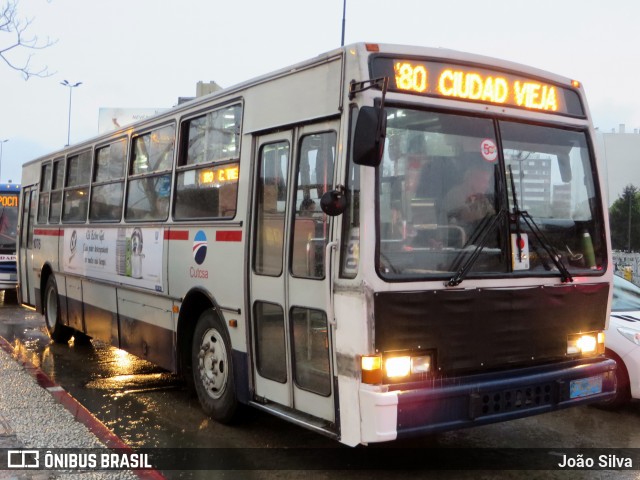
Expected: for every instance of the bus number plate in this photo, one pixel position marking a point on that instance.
(584, 387)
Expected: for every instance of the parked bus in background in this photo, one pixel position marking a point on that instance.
(380, 242)
(9, 202)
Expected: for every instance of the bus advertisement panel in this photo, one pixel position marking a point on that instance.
(132, 256)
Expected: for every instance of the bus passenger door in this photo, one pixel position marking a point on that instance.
(25, 245)
(292, 346)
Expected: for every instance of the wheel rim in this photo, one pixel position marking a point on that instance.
(213, 363)
(52, 308)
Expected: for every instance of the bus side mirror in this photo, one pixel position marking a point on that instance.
(368, 139)
(334, 202)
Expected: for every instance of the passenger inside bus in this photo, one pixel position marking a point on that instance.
(469, 202)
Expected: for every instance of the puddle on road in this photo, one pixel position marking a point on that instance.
(124, 384)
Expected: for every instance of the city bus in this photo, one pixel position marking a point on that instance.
(380, 242)
(9, 200)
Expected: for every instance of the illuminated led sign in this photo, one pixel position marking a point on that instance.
(219, 176)
(8, 200)
(477, 84)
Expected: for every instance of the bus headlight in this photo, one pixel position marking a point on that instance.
(591, 343)
(397, 366)
(420, 364)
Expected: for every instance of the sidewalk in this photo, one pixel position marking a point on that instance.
(37, 414)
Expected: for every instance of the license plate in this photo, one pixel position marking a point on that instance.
(583, 387)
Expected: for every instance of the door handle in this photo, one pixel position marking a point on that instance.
(328, 255)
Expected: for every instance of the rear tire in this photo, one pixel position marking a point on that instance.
(59, 333)
(212, 368)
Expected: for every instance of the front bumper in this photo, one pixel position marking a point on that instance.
(402, 411)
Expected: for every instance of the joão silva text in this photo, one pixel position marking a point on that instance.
(604, 461)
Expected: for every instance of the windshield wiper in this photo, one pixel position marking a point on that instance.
(533, 227)
(551, 251)
(480, 235)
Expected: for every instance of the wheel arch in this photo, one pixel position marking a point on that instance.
(194, 303)
(45, 273)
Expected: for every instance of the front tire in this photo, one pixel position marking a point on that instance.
(212, 368)
(623, 387)
(59, 333)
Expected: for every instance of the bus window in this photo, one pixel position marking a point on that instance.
(213, 137)
(274, 160)
(108, 185)
(208, 192)
(149, 190)
(311, 350)
(106, 202)
(153, 151)
(351, 220)
(76, 194)
(148, 198)
(110, 162)
(43, 198)
(310, 229)
(207, 180)
(271, 349)
(55, 207)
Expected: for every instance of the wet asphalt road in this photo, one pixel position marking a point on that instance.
(148, 407)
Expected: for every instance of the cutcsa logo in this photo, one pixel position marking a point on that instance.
(199, 247)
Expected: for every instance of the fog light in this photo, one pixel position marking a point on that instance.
(371, 366)
(397, 366)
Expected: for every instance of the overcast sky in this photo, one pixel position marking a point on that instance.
(147, 53)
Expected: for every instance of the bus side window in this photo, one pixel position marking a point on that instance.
(149, 186)
(76, 193)
(108, 182)
(55, 204)
(208, 166)
(43, 197)
(311, 226)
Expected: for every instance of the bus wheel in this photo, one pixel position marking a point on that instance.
(59, 333)
(213, 369)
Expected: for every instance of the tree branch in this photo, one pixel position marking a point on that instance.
(16, 29)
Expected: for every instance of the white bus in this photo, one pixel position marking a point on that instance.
(380, 242)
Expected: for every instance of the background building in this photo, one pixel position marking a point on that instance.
(621, 151)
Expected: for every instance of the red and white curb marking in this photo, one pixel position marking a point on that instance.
(79, 411)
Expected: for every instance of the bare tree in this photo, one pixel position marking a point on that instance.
(14, 37)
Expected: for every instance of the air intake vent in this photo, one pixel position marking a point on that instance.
(505, 401)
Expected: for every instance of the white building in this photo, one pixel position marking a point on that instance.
(621, 152)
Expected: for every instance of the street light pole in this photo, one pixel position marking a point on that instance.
(66, 83)
(2, 142)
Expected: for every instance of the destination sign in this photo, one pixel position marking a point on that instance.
(8, 200)
(463, 82)
(219, 175)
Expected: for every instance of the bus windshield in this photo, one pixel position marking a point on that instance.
(8, 226)
(518, 198)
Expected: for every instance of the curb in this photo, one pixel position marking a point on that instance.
(79, 411)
